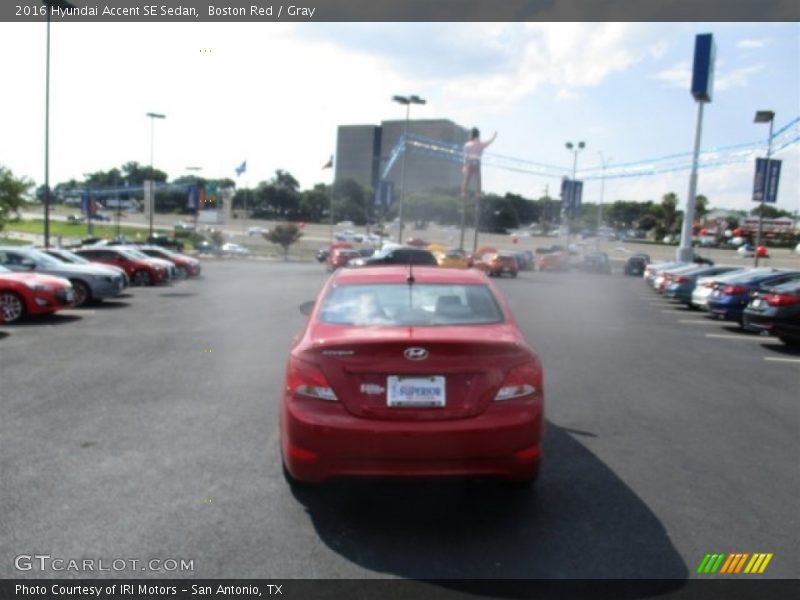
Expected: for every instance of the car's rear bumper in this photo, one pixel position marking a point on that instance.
(321, 440)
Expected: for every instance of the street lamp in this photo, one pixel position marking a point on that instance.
(153, 116)
(574, 149)
(407, 101)
(604, 162)
(49, 5)
(194, 171)
(763, 116)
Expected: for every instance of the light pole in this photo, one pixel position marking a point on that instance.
(193, 171)
(407, 101)
(604, 162)
(153, 116)
(574, 148)
(763, 116)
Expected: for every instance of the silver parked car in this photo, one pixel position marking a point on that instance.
(91, 282)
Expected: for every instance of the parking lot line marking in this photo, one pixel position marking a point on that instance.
(698, 321)
(752, 338)
(788, 360)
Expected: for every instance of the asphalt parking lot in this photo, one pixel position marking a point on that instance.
(146, 427)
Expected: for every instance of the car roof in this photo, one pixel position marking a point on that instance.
(399, 273)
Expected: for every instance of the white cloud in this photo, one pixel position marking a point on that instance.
(751, 44)
(737, 77)
(679, 75)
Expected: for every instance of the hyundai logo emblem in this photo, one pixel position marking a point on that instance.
(416, 353)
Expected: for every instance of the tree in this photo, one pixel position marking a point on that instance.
(284, 235)
(12, 193)
(669, 204)
(700, 207)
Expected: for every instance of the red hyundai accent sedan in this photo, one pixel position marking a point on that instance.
(411, 373)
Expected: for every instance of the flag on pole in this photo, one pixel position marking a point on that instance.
(241, 168)
(329, 164)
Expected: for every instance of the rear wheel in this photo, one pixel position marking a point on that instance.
(82, 292)
(12, 308)
(142, 277)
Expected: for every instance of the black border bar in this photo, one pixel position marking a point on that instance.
(264, 11)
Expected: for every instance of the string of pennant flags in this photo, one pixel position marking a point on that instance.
(785, 137)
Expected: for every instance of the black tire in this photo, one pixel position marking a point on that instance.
(12, 307)
(83, 293)
(141, 277)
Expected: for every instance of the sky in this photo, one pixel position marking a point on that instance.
(273, 94)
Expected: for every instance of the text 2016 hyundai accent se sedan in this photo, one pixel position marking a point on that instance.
(411, 372)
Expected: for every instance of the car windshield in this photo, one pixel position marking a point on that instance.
(71, 257)
(133, 253)
(403, 304)
(45, 260)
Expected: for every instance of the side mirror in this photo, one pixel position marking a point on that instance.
(306, 307)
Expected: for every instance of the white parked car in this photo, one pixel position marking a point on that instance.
(231, 249)
(257, 230)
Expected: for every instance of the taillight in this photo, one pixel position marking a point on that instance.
(521, 381)
(781, 299)
(681, 279)
(306, 379)
(734, 290)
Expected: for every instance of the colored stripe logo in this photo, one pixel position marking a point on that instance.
(735, 563)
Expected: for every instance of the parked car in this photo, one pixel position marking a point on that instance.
(32, 294)
(90, 282)
(551, 259)
(172, 269)
(453, 259)
(776, 310)
(141, 271)
(596, 262)
(166, 241)
(385, 381)
(497, 264)
(339, 257)
(636, 264)
(705, 285)
(397, 255)
(525, 261)
(259, 231)
(728, 300)
(186, 266)
(681, 286)
(231, 249)
(68, 256)
(204, 247)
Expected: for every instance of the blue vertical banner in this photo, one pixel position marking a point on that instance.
(193, 197)
(384, 195)
(85, 204)
(571, 194)
(763, 174)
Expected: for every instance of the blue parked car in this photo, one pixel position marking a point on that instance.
(728, 300)
(682, 283)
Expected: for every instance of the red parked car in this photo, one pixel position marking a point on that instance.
(139, 271)
(186, 266)
(339, 257)
(30, 294)
(411, 372)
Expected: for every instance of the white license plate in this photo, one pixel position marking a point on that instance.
(415, 391)
(757, 303)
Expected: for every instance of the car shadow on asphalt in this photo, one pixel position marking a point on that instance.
(579, 521)
(178, 294)
(104, 305)
(778, 347)
(56, 319)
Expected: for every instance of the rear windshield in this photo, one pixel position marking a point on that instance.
(403, 304)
